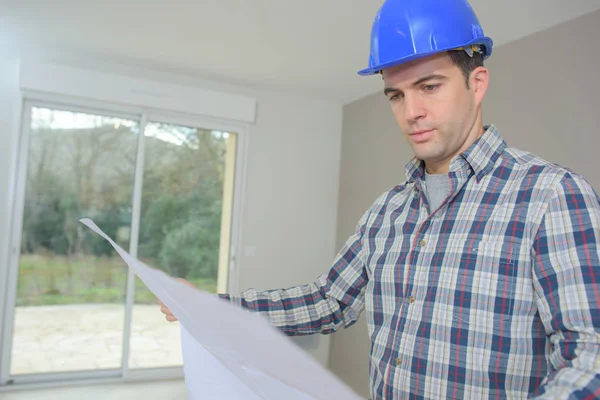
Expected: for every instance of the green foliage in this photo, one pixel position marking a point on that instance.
(89, 173)
(44, 280)
(48, 204)
(192, 249)
(182, 202)
(182, 234)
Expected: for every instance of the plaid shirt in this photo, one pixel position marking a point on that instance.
(492, 295)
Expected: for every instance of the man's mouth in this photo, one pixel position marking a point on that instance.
(421, 136)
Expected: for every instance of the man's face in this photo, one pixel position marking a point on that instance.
(439, 116)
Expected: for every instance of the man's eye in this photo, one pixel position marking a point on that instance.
(430, 88)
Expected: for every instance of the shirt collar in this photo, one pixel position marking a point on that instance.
(481, 157)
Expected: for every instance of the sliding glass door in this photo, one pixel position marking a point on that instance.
(163, 188)
(186, 180)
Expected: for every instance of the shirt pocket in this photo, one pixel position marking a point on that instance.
(485, 283)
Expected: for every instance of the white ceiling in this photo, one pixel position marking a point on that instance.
(309, 47)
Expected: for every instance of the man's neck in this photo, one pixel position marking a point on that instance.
(437, 169)
(433, 168)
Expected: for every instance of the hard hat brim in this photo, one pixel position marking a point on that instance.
(484, 41)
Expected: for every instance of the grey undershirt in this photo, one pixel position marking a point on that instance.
(437, 188)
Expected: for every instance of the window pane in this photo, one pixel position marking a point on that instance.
(69, 312)
(186, 175)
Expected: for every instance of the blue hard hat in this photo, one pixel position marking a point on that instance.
(405, 30)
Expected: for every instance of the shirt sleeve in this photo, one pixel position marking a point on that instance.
(566, 275)
(334, 300)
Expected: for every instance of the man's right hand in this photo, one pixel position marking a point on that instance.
(165, 310)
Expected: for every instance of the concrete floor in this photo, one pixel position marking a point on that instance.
(164, 390)
(90, 337)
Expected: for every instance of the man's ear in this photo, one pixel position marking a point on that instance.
(479, 81)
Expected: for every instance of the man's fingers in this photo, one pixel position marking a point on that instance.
(168, 314)
(165, 310)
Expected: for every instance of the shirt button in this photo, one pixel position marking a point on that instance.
(422, 243)
(398, 361)
(411, 299)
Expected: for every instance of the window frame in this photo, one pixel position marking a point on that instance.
(125, 108)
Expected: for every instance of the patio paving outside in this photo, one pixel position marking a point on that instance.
(63, 338)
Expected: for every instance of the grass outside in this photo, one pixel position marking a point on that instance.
(54, 280)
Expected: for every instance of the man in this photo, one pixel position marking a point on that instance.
(479, 274)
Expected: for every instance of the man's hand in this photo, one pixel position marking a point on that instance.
(165, 310)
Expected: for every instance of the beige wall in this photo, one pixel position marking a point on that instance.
(544, 98)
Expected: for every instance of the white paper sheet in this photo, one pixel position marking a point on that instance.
(231, 353)
(206, 377)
